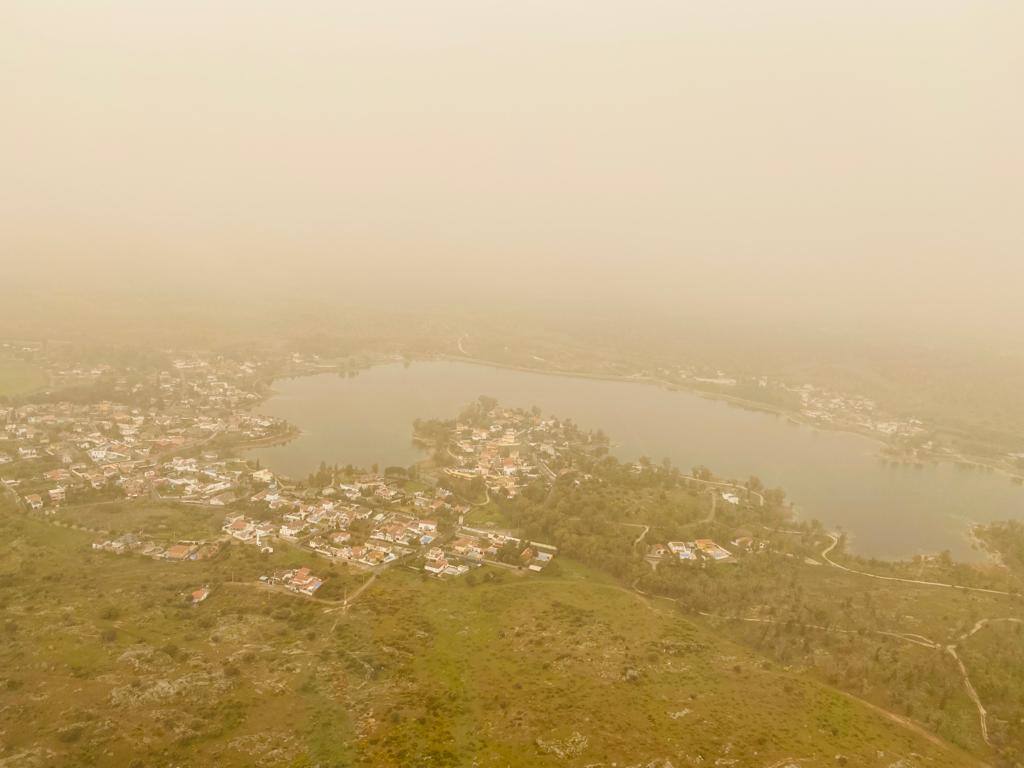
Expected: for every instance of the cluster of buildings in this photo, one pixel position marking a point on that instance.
(510, 449)
(815, 404)
(53, 452)
(299, 580)
(692, 551)
(159, 433)
(369, 521)
(177, 551)
(706, 550)
(206, 479)
(340, 529)
(476, 546)
(832, 409)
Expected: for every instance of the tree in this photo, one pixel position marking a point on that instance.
(701, 472)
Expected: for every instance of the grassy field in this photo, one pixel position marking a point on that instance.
(162, 521)
(487, 515)
(104, 663)
(18, 377)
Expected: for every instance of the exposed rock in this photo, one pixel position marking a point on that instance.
(566, 748)
(192, 685)
(29, 758)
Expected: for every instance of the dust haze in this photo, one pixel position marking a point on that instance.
(519, 384)
(850, 166)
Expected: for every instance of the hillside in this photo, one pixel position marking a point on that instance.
(106, 664)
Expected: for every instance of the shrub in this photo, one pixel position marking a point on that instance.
(70, 734)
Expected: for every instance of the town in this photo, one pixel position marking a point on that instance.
(178, 436)
(809, 403)
(510, 494)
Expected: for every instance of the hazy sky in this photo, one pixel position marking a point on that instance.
(858, 157)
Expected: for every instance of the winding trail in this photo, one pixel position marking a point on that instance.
(902, 721)
(277, 589)
(972, 694)
(714, 509)
(367, 667)
(984, 623)
(835, 542)
(723, 484)
(951, 649)
(643, 533)
(909, 637)
(335, 605)
(968, 685)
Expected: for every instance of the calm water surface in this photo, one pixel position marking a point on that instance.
(889, 512)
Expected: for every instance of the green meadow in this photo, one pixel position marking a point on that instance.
(18, 377)
(105, 663)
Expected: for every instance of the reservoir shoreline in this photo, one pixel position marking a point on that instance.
(890, 511)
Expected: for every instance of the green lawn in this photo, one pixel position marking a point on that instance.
(414, 486)
(163, 521)
(488, 515)
(18, 377)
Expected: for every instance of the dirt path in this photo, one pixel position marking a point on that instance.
(723, 484)
(714, 509)
(342, 605)
(910, 725)
(347, 602)
(835, 541)
(909, 637)
(643, 533)
(894, 717)
(979, 625)
(367, 667)
(972, 693)
(279, 590)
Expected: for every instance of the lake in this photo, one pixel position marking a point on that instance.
(836, 477)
